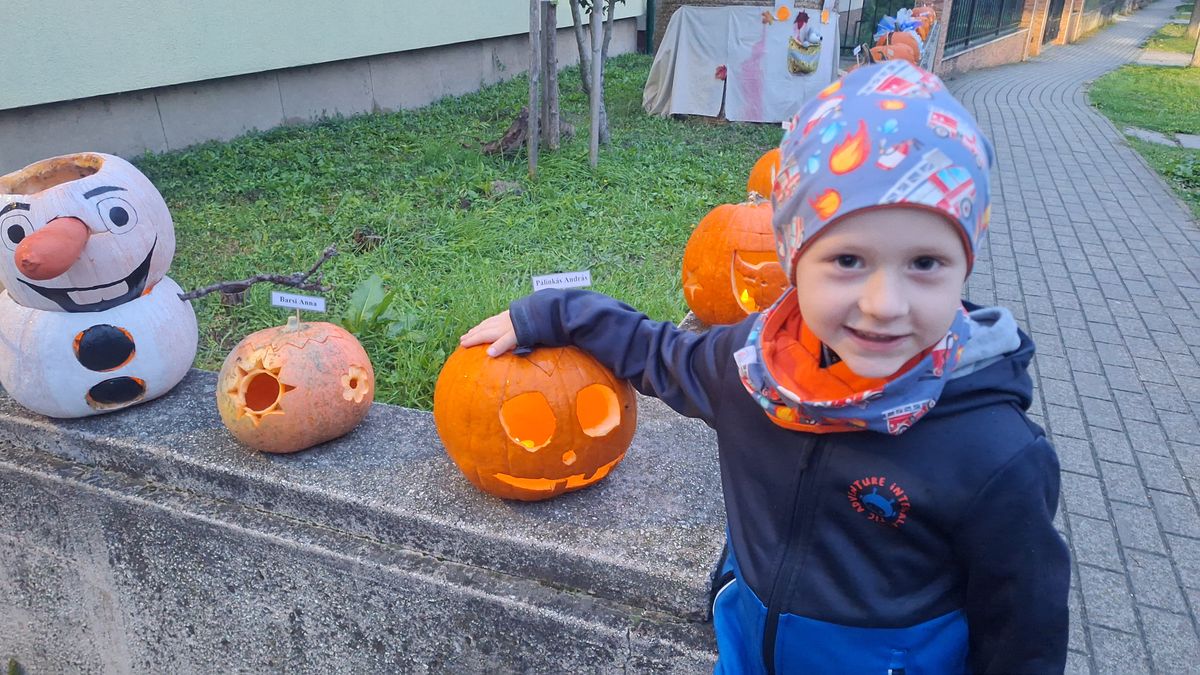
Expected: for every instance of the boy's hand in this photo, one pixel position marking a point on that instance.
(497, 330)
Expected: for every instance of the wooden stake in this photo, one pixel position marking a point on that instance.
(535, 61)
(597, 63)
(1194, 25)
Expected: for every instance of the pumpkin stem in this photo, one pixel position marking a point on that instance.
(754, 198)
(293, 323)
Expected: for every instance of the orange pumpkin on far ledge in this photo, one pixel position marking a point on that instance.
(534, 426)
(291, 387)
(762, 176)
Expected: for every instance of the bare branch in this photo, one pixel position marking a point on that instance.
(294, 280)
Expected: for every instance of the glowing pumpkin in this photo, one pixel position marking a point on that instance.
(89, 323)
(730, 267)
(535, 426)
(292, 387)
(762, 176)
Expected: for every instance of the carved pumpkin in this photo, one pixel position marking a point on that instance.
(730, 267)
(892, 53)
(291, 387)
(762, 176)
(88, 321)
(535, 426)
(898, 38)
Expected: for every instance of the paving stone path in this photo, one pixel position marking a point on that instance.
(1099, 261)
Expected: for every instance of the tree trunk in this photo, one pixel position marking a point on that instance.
(535, 62)
(550, 117)
(1194, 24)
(605, 137)
(585, 61)
(597, 93)
(1196, 55)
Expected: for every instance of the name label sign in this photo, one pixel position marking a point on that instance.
(307, 303)
(579, 279)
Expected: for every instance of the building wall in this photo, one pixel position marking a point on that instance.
(172, 117)
(61, 50)
(1007, 49)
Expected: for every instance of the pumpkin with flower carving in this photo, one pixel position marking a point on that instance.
(291, 387)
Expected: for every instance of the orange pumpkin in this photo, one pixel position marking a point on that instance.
(899, 38)
(762, 176)
(730, 268)
(893, 53)
(534, 426)
(292, 387)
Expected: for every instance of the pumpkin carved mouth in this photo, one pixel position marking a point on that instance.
(135, 284)
(557, 484)
(757, 279)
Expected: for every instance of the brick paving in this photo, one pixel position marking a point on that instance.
(1099, 262)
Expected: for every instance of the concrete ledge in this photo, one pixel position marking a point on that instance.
(142, 539)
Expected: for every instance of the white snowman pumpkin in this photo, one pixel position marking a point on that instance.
(89, 322)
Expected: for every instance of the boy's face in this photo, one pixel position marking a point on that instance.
(882, 285)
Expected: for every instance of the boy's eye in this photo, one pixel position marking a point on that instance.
(926, 263)
(848, 262)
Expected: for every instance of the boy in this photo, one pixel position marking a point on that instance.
(860, 541)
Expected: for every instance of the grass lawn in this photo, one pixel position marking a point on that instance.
(1183, 11)
(452, 252)
(1171, 38)
(1161, 99)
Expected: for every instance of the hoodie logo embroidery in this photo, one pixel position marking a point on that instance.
(881, 501)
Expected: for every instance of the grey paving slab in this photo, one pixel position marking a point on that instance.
(1099, 259)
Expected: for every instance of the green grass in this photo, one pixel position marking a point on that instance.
(1150, 97)
(1171, 38)
(1183, 11)
(452, 252)
(1161, 99)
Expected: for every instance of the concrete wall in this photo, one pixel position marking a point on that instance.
(173, 117)
(61, 50)
(148, 541)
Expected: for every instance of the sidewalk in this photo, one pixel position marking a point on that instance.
(1098, 259)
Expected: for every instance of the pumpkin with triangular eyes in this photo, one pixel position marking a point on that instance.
(534, 426)
(730, 266)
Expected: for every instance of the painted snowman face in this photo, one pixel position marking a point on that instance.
(82, 233)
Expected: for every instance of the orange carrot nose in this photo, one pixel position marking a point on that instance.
(52, 250)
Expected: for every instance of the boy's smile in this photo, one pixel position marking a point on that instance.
(882, 285)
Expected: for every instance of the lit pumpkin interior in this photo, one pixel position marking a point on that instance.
(528, 420)
(598, 410)
(756, 276)
(262, 391)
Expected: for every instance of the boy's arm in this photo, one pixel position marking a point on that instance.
(682, 368)
(1018, 569)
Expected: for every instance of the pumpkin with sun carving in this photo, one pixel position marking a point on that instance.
(292, 387)
(534, 426)
(730, 267)
(89, 321)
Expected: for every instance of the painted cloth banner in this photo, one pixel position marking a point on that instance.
(769, 69)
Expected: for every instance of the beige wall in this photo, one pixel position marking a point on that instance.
(60, 50)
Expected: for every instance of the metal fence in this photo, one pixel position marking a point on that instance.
(973, 22)
(858, 23)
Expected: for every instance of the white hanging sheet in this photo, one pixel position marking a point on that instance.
(770, 69)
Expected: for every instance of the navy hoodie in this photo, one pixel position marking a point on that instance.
(929, 552)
